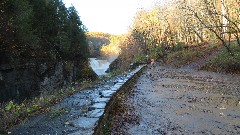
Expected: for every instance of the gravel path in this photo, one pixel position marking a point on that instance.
(184, 101)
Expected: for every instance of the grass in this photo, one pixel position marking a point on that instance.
(186, 56)
(224, 61)
(183, 57)
(12, 113)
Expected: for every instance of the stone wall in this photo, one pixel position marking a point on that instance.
(103, 125)
(21, 81)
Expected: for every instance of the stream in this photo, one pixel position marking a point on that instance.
(77, 114)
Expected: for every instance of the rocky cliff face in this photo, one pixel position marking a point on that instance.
(21, 81)
(121, 63)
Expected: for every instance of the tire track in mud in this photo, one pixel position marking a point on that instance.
(185, 101)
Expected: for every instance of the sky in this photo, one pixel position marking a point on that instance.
(110, 16)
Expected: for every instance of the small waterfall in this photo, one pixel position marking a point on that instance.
(99, 66)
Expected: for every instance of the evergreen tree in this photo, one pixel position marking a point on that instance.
(28, 26)
(62, 40)
(76, 34)
(16, 37)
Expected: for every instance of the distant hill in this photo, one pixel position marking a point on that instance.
(96, 40)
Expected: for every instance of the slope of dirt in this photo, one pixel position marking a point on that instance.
(202, 60)
(182, 101)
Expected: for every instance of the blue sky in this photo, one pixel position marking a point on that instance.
(111, 16)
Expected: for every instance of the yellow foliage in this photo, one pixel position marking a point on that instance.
(110, 49)
(113, 48)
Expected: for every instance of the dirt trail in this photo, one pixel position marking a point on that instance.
(184, 101)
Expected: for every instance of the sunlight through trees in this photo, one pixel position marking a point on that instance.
(182, 24)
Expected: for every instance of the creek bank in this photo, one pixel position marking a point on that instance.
(105, 121)
(77, 114)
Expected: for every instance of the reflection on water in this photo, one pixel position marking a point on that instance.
(99, 66)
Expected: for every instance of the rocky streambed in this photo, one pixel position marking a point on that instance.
(76, 115)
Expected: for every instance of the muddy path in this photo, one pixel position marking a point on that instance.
(182, 101)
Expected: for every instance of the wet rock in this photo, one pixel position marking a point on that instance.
(99, 105)
(95, 113)
(118, 85)
(74, 112)
(121, 81)
(107, 93)
(40, 129)
(69, 123)
(85, 123)
(106, 86)
(91, 108)
(87, 132)
(114, 89)
(98, 100)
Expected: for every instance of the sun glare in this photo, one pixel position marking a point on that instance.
(110, 16)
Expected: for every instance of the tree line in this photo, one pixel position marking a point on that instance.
(181, 24)
(95, 42)
(43, 29)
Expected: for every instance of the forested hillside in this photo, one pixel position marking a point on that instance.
(181, 31)
(96, 40)
(42, 47)
(41, 29)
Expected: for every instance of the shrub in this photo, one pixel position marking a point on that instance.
(225, 61)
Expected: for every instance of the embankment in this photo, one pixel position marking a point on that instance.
(25, 79)
(103, 126)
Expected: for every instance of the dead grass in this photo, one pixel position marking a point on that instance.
(224, 61)
(186, 56)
